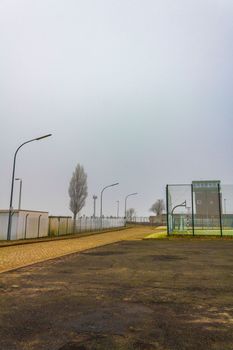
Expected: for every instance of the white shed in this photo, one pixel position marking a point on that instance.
(25, 224)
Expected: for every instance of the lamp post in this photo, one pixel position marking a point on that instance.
(118, 209)
(20, 191)
(131, 194)
(12, 183)
(101, 199)
(94, 197)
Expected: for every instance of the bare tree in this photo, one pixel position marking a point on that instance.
(78, 190)
(130, 213)
(158, 207)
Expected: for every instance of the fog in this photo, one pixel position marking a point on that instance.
(138, 92)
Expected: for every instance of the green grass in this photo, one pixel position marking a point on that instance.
(157, 235)
(204, 232)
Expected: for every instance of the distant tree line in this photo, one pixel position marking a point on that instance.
(130, 213)
(78, 192)
(158, 207)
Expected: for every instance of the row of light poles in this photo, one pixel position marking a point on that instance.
(20, 193)
(118, 202)
(101, 197)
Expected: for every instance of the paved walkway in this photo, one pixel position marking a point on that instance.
(13, 257)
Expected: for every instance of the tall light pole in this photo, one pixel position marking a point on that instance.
(12, 183)
(101, 198)
(20, 191)
(118, 209)
(131, 194)
(94, 197)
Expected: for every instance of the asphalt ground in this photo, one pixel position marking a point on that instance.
(134, 294)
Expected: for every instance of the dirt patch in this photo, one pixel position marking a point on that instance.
(133, 295)
(98, 341)
(103, 253)
(166, 257)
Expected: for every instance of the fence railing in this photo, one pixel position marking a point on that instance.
(59, 226)
(159, 220)
(138, 219)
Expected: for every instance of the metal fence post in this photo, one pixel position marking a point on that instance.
(38, 232)
(49, 228)
(220, 208)
(58, 229)
(26, 221)
(193, 221)
(168, 228)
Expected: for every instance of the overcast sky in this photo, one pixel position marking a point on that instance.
(138, 92)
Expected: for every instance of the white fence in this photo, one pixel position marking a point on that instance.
(139, 219)
(65, 225)
(158, 220)
(33, 224)
(25, 224)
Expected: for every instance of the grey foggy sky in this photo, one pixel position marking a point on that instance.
(138, 92)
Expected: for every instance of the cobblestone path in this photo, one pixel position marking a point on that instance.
(13, 257)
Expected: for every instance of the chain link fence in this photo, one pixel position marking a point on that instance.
(138, 219)
(159, 220)
(200, 208)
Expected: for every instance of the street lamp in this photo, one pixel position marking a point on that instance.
(131, 194)
(20, 190)
(101, 199)
(12, 183)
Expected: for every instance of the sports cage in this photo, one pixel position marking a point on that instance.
(200, 208)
